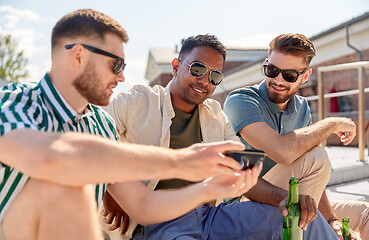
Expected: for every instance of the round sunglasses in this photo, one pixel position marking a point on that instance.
(289, 75)
(119, 64)
(198, 69)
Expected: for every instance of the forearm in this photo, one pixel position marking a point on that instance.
(61, 157)
(265, 192)
(159, 206)
(296, 143)
(325, 207)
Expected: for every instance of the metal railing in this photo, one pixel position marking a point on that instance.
(360, 66)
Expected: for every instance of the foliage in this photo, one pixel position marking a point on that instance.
(12, 61)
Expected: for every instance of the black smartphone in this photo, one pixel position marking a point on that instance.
(247, 158)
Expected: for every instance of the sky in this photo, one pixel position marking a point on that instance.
(163, 23)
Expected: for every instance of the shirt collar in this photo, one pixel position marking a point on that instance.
(274, 108)
(63, 111)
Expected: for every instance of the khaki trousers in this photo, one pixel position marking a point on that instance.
(313, 169)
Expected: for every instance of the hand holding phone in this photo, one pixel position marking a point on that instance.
(247, 158)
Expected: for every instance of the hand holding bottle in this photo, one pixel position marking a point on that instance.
(308, 210)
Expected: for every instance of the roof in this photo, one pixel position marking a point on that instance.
(163, 55)
(340, 26)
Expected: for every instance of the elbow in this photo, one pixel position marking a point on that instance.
(143, 222)
(281, 156)
(45, 168)
(141, 218)
(49, 167)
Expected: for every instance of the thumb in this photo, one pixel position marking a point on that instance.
(282, 207)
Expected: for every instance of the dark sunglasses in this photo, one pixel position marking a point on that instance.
(119, 64)
(198, 69)
(288, 75)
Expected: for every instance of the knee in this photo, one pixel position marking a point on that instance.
(319, 158)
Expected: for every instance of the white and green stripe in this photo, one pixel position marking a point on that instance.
(41, 107)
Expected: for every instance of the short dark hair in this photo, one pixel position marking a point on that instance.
(202, 41)
(86, 23)
(293, 44)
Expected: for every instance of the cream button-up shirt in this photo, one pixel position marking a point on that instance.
(144, 116)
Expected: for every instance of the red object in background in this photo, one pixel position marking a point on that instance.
(334, 107)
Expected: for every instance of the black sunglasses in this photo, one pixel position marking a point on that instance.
(198, 69)
(119, 64)
(288, 75)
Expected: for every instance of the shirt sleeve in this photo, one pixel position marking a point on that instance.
(242, 109)
(229, 133)
(116, 110)
(18, 110)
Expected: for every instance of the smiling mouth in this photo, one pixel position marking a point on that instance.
(198, 90)
(279, 88)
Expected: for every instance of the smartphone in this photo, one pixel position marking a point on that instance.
(247, 158)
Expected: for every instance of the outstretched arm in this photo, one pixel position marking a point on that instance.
(287, 148)
(149, 207)
(75, 159)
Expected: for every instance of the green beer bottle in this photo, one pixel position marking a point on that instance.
(345, 229)
(291, 229)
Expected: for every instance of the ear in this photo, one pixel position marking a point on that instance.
(175, 66)
(78, 56)
(306, 75)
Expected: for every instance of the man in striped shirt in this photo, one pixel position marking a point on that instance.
(55, 142)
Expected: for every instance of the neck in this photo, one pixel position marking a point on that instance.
(63, 84)
(181, 105)
(177, 100)
(283, 106)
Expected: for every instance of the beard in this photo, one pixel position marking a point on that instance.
(90, 87)
(278, 98)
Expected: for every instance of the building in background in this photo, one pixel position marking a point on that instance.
(240, 52)
(345, 43)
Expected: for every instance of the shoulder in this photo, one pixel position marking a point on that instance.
(244, 98)
(301, 102)
(252, 91)
(213, 105)
(19, 88)
(139, 93)
(20, 93)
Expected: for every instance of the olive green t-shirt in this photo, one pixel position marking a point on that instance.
(184, 131)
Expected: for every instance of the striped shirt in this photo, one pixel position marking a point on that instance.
(41, 107)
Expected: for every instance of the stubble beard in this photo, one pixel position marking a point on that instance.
(276, 97)
(87, 85)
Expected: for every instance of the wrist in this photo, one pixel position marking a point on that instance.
(204, 190)
(332, 220)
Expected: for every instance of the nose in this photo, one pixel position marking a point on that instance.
(279, 78)
(120, 77)
(204, 80)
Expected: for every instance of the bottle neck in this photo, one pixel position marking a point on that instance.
(345, 227)
(293, 194)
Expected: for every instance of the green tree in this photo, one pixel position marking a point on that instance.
(12, 61)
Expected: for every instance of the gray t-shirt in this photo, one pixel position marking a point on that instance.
(184, 131)
(248, 105)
